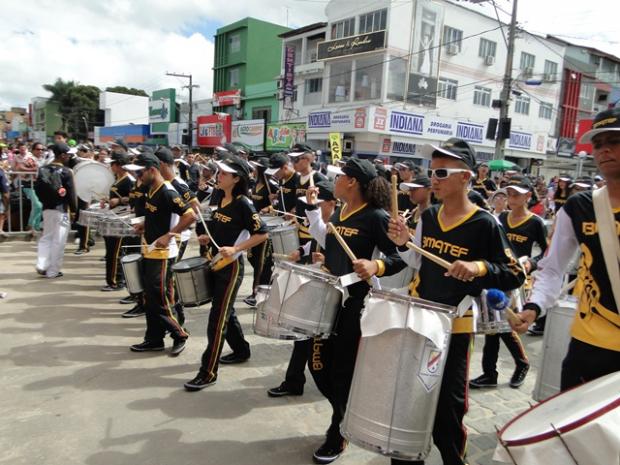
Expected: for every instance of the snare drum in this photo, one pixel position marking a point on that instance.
(272, 222)
(132, 269)
(284, 239)
(580, 426)
(400, 280)
(304, 299)
(90, 218)
(265, 323)
(555, 346)
(398, 373)
(191, 277)
(116, 226)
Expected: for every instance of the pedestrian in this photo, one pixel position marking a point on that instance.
(28, 162)
(4, 199)
(55, 188)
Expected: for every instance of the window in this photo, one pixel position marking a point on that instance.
(522, 105)
(262, 113)
(234, 43)
(344, 28)
(368, 77)
(446, 88)
(487, 48)
(311, 50)
(233, 77)
(313, 90)
(482, 96)
(374, 21)
(397, 76)
(551, 70)
(340, 83)
(545, 111)
(527, 61)
(452, 37)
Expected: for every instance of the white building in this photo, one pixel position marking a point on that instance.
(123, 109)
(447, 59)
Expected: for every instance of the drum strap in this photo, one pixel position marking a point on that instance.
(609, 239)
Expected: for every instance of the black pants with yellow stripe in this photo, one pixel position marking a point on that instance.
(223, 323)
(490, 351)
(113, 270)
(261, 259)
(449, 432)
(158, 301)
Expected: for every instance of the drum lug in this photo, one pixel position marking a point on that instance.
(503, 444)
(559, 434)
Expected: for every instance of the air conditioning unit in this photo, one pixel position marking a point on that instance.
(452, 49)
(347, 145)
(528, 73)
(489, 60)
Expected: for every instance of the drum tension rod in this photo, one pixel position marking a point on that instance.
(503, 444)
(557, 431)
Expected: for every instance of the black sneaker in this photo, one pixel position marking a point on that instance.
(178, 347)
(110, 288)
(329, 451)
(518, 377)
(80, 252)
(147, 347)
(250, 301)
(483, 381)
(136, 311)
(283, 390)
(233, 358)
(199, 382)
(130, 299)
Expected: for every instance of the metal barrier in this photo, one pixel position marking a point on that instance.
(18, 210)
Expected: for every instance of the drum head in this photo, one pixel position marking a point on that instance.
(92, 180)
(190, 264)
(566, 411)
(131, 258)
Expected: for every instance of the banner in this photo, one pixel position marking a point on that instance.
(226, 98)
(284, 136)
(213, 130)
(288, 82)
(162, 107)
(355, 45)
(335, 145)
(250, 132)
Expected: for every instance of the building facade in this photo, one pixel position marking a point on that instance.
(246, 64)
(44, 119)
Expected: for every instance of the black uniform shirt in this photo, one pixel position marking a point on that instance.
(137, 198)
(288, 191)
(480, 186)
(523, 235)
(122, 187)
(300, 205)
(560, 197)
(260, 196)
(404, 203)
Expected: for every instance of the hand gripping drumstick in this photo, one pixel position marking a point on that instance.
(512, 316)
(344, 245)
(204, 225)
(394, 196)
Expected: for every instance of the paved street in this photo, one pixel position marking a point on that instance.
(73, 393)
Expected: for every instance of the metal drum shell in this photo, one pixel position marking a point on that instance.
(132, 269)
(191, 276)
(284, 239)
(90, 218)
(272, 222)
(312, 309)
(265, 317)
(491, 321)
(390, 411)
(400, 280)
(114, 227)
(555, 346)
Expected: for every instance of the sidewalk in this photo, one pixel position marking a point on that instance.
(73, 393)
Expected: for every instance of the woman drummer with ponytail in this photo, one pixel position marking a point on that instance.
(235, 227)
(362, 222)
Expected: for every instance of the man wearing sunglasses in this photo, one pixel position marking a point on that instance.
(481, 257)
(281, 168)
(594, 349)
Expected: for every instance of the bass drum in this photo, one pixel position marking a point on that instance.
(92, 180)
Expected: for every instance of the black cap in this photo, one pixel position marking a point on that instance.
(120, 158)
(143, 161)
(211, 166)
(301, 148)
(261, 163)
(60, 148)
(608, 120)
(326, 190)
(362, 170)
(453, 148)
(235, 165)
(584, 182)
(521, 184)
(406, 164)
(565, 177)
(120, 143)
(419, 181)
(165, 155)
(276, 161)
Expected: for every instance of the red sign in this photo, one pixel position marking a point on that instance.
(226, 97)
(380, 118)
(213, 130)
(583, 126)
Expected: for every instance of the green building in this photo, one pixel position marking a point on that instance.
(45, 119)
(248, 57)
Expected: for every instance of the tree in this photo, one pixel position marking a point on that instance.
(127, 90)
(78, 106)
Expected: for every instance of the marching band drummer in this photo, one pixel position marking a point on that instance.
(419, 191)
(594, 349)
(234, 227)
(281, 169)
(159, 249)
(523, 230)
(472, 240)
(362, 221)
(119, 195)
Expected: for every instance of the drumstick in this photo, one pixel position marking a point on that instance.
(432, 257)
(344, 245)
(204, 225)
(287, 213)
(394, 196)
(281, 256)
(313, 196)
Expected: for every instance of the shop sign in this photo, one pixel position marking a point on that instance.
(284, 136)
(406, 123)
(213, 130)
(250, 132)
(354, 120)
(520, 140)
(348, 46)
(226, 98)
(470, 132)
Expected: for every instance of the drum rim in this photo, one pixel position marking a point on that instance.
(443, 308)
(315, 273)
(563, 429)
(204, 262)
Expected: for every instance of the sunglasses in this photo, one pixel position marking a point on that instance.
(297, 159)
(611, 141)
(444, 173)
(139, 173)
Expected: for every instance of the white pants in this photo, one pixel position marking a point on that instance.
(51, 247)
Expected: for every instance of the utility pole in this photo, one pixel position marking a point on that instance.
(191, 86)
(506, 90)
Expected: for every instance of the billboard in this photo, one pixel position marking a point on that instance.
(250, 132)
(288, 83)
(226, 98)
(284, 136)
(162, 106)
(362, 43)
(213, 130)
(354, 120)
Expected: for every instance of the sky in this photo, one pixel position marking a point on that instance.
(135, 42)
